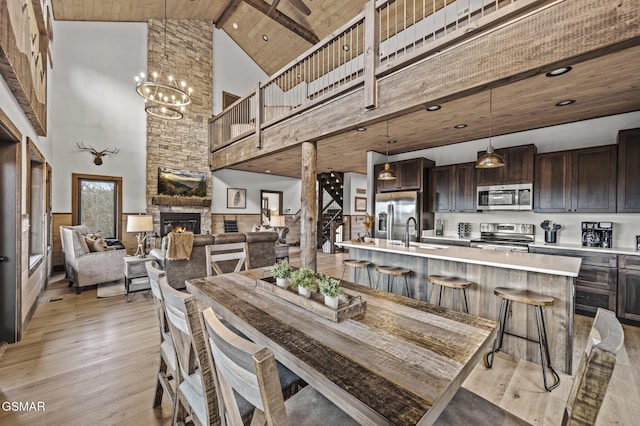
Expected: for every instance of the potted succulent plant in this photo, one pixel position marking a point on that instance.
(281, 271)
(305, 280)
(330, 288)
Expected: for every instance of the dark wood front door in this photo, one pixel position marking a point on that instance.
(9, 238)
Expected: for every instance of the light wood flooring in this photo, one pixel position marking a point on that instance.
(93, 361)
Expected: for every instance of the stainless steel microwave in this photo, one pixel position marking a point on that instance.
(506, 197)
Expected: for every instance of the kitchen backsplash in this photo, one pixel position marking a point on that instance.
(626, 226)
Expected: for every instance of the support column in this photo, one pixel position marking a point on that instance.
(308, 206)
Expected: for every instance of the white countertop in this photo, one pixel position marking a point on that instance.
(540, 244)
(579, 247)
(546, 264)
(447, 238)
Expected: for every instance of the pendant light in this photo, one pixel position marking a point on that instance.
(490, 160)
(387, 173)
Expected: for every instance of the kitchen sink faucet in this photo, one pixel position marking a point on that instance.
(415, 227)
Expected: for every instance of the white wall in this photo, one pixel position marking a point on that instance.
(253, 183)
(233, 70)
(93, 100)
(353, 181)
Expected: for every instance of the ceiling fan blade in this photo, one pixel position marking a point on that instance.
(301, 6)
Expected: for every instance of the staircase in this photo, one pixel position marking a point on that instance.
(330, 210)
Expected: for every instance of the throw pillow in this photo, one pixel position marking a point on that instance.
(95, 242)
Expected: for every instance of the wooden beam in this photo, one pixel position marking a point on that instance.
(308, 219)
(227, 12)
(371, 54)
(284, 20)
(273, 7)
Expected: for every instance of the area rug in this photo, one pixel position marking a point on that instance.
(111, 289)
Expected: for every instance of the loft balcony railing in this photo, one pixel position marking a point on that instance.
(387, 36)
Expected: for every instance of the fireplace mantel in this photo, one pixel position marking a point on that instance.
(166, 200)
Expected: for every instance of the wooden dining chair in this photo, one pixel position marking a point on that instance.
(196, 388)
(587, 392)
(595, 370)
(165, 383)
(246, 370)
(224, 252)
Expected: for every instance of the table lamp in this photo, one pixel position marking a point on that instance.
(140, 224)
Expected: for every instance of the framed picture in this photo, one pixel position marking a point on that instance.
(236, 198)
(360, 204)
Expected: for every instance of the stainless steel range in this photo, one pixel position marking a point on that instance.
(505, 237)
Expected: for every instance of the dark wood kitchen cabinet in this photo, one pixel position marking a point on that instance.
(629, 171)
(581, 180)
(519, 167)
(410, 175)
(597, 282)
(629, 287)
(454, 188)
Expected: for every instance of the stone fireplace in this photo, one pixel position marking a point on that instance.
(181, 144)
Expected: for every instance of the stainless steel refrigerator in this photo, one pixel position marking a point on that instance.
(393, 209)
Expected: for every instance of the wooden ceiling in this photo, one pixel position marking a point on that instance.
(604, 86)
(282, 47)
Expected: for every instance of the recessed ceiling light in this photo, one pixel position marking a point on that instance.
(361, 129)
(345, 48)
(267, 171)
(390, 141)
(235, 25)
(433, 107)
(459, 126)
(566, 102)
(265, 37)
(558, 71)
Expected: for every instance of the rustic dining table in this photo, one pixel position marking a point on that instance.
(399, 363)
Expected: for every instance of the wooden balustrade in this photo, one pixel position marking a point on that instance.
(388, 35)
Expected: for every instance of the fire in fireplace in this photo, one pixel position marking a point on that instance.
(181, 222)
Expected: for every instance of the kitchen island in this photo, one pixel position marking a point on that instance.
(486, 269)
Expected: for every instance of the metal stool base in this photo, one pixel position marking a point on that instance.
(545, 359)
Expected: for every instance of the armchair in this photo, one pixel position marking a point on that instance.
(85, 268)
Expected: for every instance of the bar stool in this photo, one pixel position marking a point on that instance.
(357, 264)
(538, 301)
(454, 283)
(393, 271)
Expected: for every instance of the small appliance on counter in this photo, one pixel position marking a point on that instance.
(550, 231)
(638, 242)
(439, 227)
(597, 234)
(464, 229)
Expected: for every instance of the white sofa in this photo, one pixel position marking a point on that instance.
(85, 268)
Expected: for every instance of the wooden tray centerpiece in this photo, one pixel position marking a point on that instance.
(348, 305)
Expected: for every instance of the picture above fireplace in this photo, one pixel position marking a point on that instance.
(181, 183)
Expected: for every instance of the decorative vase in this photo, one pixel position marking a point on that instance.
(281, 282)
(304, 292)
(331, 302)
